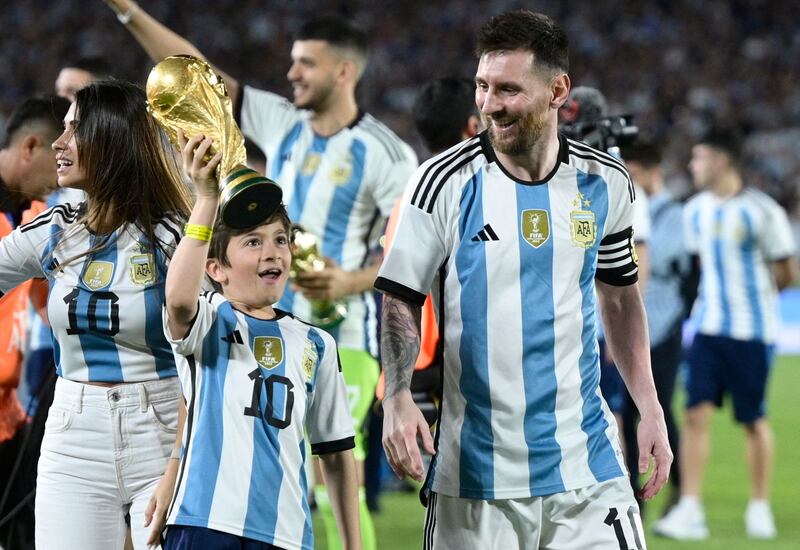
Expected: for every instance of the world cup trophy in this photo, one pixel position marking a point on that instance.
(184, 92)
(306, 256)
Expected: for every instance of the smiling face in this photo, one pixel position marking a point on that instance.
(69, 172)
(515, 100)
(257, 267)
(315, 66)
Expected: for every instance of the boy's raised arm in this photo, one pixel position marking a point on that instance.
(187, 268)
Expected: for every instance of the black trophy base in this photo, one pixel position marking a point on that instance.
(248, 198)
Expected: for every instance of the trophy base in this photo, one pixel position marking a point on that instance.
(247, 198)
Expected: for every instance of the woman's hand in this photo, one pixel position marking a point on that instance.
(203, 173)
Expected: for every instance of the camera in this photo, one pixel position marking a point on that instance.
(608, 133)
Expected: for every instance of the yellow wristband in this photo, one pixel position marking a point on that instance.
(199, 232)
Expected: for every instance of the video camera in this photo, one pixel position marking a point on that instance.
(584, 117)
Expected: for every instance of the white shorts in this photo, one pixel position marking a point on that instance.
(103, 453)
(601, 516)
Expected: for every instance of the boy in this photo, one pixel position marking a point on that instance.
(254, 378)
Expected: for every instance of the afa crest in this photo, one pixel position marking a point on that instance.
(268, 351)
(535, 227)
(143, 269)
(583, 228)
(310, 358)
(98, 274)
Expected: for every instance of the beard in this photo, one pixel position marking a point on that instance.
(528, 130)
(318, 98)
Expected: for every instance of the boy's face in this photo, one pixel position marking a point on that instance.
(259, 266)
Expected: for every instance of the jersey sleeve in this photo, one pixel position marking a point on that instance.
(192, 343)
(265, 117)
(690, 227)
(329, 424)
(777, 239)
(394, 174)
(419, 245)
(617, 263)
(20, 252)
(641, 216)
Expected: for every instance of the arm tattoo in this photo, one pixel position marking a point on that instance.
(400, 341)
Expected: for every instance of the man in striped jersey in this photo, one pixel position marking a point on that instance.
(746, 251)
(341, 172)
(509, 230)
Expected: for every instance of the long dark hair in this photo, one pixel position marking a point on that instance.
(131, 176)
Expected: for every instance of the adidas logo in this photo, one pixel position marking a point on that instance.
(233, 338)
(486, 234)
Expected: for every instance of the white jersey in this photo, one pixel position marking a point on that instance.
(105, 308)
(341, 188)
(252, 387)
(736, 239)
(511, 265)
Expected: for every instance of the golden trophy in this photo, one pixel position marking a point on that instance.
(306, 256)
(184, 92)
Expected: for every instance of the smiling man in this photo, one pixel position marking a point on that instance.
(513, 230)
(341, 172)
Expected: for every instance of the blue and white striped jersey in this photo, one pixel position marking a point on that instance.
(105, 308)
(341, 188)
(511, 265)
(736, 239)
(252, 387)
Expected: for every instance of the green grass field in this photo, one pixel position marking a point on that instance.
(399, 524)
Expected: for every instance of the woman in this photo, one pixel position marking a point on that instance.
(112, 425)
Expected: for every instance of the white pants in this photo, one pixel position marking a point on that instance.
(604, 516)
(103, 453)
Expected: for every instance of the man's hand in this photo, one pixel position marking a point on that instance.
(652, 439)
(331, 283)
(402, 423)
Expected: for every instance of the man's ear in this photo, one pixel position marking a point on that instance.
(560, 90)
(216, 272)
(472, 127)
(28, 145)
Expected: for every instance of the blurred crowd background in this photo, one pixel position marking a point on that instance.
(678, 66)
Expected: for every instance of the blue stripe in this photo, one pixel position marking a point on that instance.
(208, 432)
(751, 278)
(538, 345)
(154, 298)
(266, 476)
(477, 441)
(303, 181)
(99, 350)
(284, 152)
(319, 344)
(602, 459)
(344, 198)
(719, 271)
(308, 530)
(56, 233)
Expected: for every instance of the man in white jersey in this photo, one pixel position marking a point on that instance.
(509, 230)
(746, 251)
(341, 172)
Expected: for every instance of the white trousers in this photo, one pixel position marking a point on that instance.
(604, 516)
(103, 453)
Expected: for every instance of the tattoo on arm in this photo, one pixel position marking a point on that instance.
(400, 341)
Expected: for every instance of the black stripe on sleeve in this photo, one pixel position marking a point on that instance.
(400, 291)
(614, 268)
(333, 446)
(436, 167)
(446, 177)
(67, 212)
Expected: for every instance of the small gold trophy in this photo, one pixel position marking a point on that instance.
(306, 256)
(184, 92)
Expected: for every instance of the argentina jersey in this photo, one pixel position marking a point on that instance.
(512, 265)
(736, 239)
(341, 188)
(252, 388)
(104, 308)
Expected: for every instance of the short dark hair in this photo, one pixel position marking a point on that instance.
(725, 139)
(98, 67)
(526, 30)
(46, 112)
(643, 152)
(336, 30)
(223, 234)
(441, 110)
